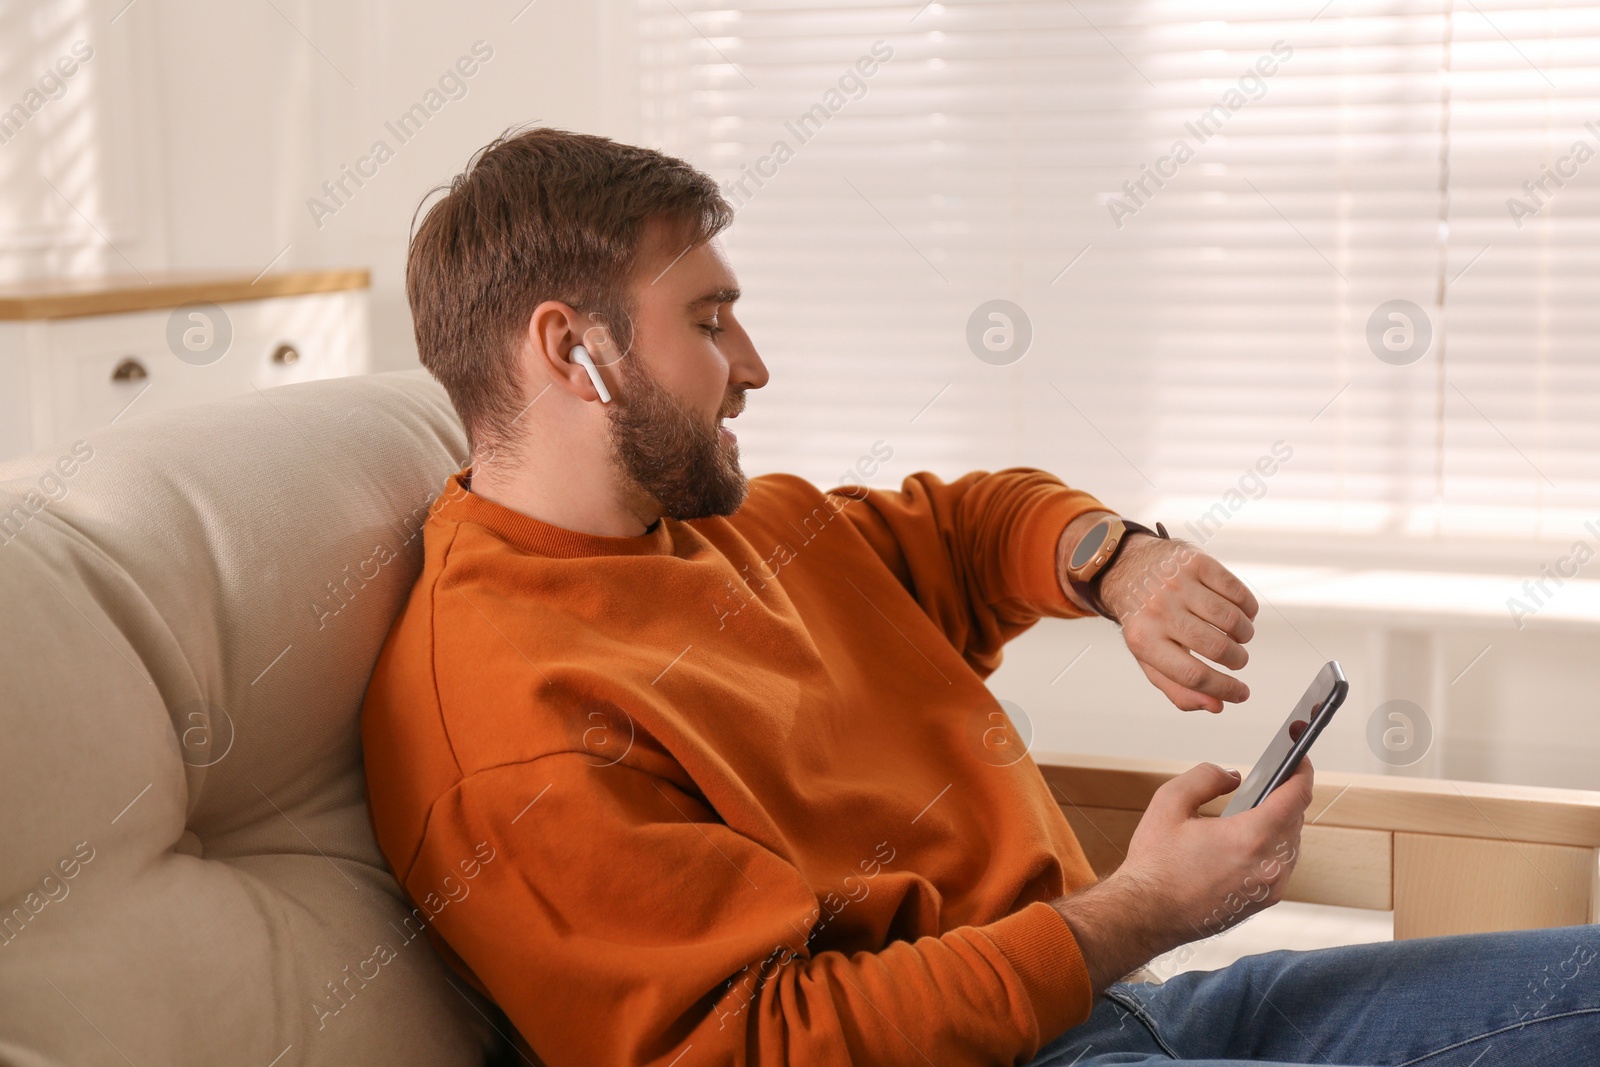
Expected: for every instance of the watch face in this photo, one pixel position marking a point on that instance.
(1090, 544)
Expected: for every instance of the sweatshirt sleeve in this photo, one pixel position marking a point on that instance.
(978, 553)
(617, 920)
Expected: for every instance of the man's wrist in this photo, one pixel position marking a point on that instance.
(1107, 922)
(1067, 543)
(1071, 534)
(1125, 572)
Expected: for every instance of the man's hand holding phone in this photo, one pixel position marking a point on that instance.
(1188, 876)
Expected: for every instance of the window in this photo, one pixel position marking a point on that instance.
(1355, 248)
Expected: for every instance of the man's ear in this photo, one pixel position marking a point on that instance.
(554, 329)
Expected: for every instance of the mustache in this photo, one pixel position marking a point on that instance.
(735, 405)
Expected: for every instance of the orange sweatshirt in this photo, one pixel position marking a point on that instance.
(736, 785)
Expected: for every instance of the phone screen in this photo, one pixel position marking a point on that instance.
(1293, 739)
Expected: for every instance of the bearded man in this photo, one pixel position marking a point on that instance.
(681, 768)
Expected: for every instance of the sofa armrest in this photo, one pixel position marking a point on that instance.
(1445, 856)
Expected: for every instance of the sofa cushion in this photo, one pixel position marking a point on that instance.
(193, 604)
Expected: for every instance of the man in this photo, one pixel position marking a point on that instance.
(685, 769)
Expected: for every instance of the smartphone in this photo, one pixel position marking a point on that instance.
(1294, 738)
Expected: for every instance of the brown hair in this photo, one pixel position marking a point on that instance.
(541, 214)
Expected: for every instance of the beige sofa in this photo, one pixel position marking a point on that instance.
(193, 603)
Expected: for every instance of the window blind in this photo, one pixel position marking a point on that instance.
(1328, 269)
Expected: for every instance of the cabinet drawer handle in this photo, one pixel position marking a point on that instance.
(129, 370)
(286, 355)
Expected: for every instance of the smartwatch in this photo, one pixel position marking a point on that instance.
(1096, 550)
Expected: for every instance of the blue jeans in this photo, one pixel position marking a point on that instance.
(1528, 998)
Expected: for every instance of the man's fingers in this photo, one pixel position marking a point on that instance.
(1182, 796)
(1206, 615)
(1182, 699)
(1224, 581)
(1202, 638)
(1213, 608)
(1175, 661)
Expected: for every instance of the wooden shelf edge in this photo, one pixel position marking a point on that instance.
(113, 295)
(1542, 814)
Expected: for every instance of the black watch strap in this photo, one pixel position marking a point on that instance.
(1090, 590)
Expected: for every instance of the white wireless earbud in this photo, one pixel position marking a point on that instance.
(580, 356)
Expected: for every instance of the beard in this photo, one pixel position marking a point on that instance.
(691, 471)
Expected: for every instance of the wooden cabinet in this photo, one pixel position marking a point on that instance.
(76, 356)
